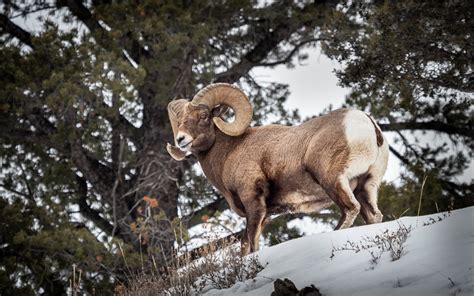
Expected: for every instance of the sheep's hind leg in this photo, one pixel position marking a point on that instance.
(367, 196)
(341, 193)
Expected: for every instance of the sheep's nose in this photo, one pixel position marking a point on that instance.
(179, 139)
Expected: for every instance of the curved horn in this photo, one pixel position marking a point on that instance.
(229, 95)
(174, 110)
(175, 152)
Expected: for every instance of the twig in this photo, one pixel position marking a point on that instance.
(117, 181)
(124, 259)
(404, 212)
(289, 57)
(24, 13)
(421, 195)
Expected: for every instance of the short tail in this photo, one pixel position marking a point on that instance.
(378, 132)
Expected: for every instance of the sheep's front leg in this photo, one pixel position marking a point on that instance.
(244, 244)
(255, 213)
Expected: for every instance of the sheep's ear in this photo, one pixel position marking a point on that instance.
(175, 152)
(219, 111)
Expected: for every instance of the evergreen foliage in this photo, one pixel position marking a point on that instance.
(83, 95)
(409, 63)
(85, 177)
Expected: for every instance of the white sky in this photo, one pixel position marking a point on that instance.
(313, 86)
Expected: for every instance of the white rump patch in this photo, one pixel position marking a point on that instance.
(362, 141)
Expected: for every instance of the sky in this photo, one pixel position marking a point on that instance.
(313, 86)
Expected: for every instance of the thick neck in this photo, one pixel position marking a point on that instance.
(212, 160)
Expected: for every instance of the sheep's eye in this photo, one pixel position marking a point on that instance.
(204, 115)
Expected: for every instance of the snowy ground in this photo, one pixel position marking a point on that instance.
(438, 259)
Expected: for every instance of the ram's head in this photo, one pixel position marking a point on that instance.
(191, 122)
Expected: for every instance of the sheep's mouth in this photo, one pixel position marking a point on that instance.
(186, 145)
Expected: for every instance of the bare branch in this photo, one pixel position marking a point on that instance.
(289, 57)
(118, 179)
(408, 146)
(82, 13)
(403, 159)
(428, 125)
(233, 237)
(224, 241)
(14, 30)
(99, 175)
(25, 13)
(195, 218)
(12, 190)
(268, 41)
(87, 211)
(256, 55)
(126, 127)
(451, 187)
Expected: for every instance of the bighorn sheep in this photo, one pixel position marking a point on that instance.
(339, 157)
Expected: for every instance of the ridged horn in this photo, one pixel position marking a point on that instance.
(174, 110)
(231, 96)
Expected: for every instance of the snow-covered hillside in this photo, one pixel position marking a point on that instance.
(438, 259)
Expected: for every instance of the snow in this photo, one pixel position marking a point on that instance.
(438, 259)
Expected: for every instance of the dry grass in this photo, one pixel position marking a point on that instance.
(392, 242)
(219, 267)
(75, 281)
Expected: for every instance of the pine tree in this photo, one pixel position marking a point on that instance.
(86, 179)
(409, 63)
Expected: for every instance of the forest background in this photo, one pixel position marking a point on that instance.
(85, 177)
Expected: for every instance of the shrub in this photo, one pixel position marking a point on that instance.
(388, 241)
(213, 270)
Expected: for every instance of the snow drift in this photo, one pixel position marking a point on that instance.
(437, 259)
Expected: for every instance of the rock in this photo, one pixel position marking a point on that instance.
(309, 291)
(284, 288)
(287, 288)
